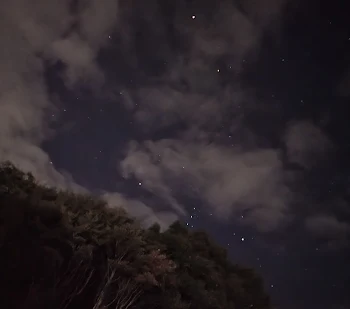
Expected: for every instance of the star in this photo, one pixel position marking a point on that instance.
(193, 16)
(140, 183)
(242, 239)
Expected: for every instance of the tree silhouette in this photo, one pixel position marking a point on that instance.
(62, 250)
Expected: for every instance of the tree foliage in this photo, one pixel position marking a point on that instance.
(61, 250)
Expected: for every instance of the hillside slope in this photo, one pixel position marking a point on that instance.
(63, 250)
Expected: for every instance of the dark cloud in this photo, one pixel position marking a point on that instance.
(343, 87)
(333, 232)
(192, 89)
(193, 39)
(162, 107)
(306, 143)
(232, 28)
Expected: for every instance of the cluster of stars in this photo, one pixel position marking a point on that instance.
(193, 216)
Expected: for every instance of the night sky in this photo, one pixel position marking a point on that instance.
(231, 116)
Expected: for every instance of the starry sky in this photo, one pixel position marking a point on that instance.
(230, 116)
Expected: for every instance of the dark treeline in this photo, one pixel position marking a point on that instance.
(63, 250)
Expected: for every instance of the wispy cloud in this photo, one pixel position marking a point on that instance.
(306, 143)
(229, 181)
(329, 229)
(145, 214)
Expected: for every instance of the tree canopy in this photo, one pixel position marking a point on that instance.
(60, 249)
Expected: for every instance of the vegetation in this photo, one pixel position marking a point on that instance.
(63, 250)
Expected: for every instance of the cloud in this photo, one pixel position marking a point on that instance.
(265, 13)
(192, 89)
(29, 34)
(191, 95)
(231, 28)
(145, 214)
(161, 107)
(30, 157)
(24, 100)
(95, 20)
(328, 228)
(306, 144)
(343, 87)
(79, 60)
(229, 181)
